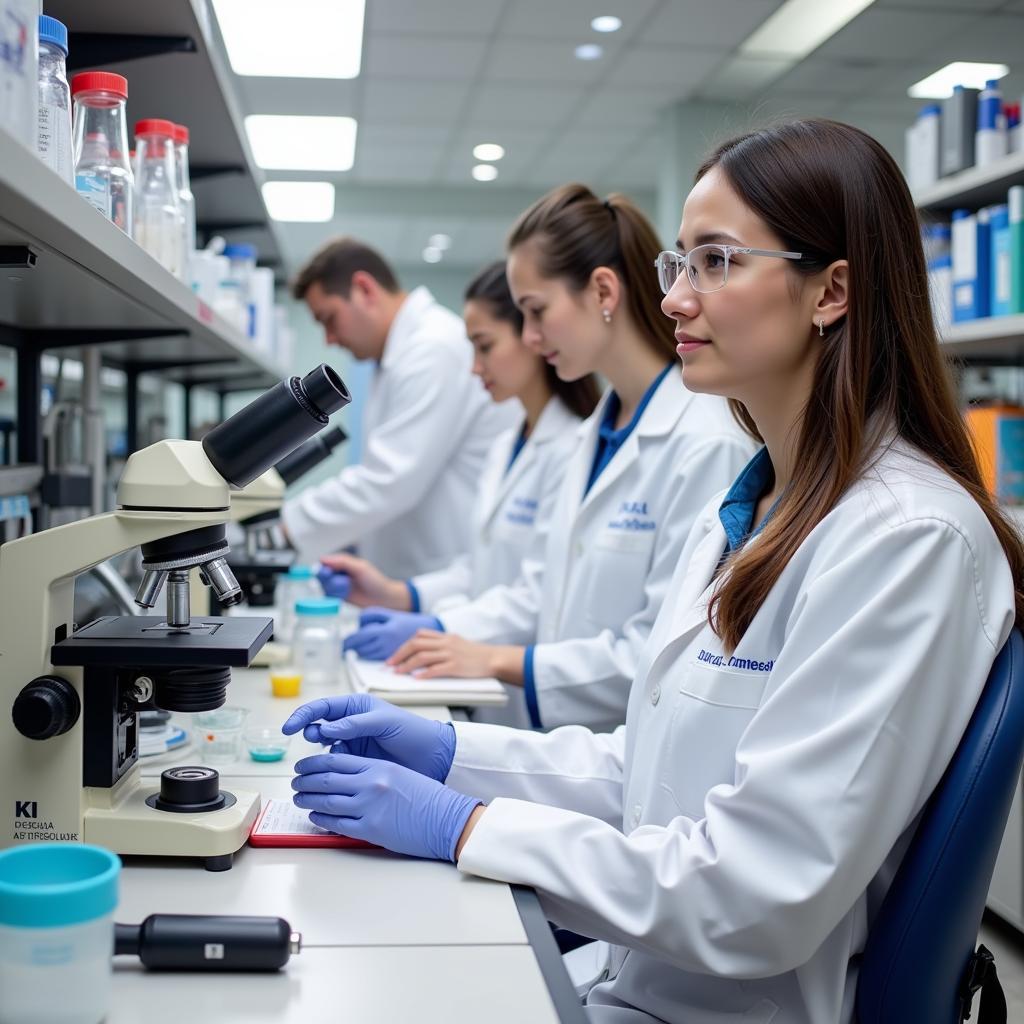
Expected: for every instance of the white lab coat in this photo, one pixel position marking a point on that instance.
(733, 842)
(589, 602)
(513, 503)
(428, 426)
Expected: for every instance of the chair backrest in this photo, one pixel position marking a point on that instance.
(926, 928)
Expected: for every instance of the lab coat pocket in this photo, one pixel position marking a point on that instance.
(713, 708)
(616, 576)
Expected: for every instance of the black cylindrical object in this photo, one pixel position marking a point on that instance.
(310, 454)
(268, 428)
(190, 789)
(208, 942)
(188, 689)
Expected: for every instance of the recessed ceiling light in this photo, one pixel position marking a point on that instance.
(261, 42)
(485, 172)
(299, 143)
(310, 201)
(939, 84)
(606, 23)
(588, 51)
(488, 151)
(432, 254)
(441, 242)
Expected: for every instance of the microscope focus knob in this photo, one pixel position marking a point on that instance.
(46, 707)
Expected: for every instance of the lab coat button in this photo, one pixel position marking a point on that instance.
(655, 694)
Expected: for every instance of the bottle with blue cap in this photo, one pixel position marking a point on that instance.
(316, 648)
(297, 584)
(243, 265)
(990, 138)
(53, 141)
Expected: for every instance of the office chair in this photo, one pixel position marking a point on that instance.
(919, 964)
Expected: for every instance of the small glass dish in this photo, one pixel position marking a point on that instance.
(265, 744)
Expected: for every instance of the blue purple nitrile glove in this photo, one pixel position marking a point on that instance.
(383, 630)
(334, 583)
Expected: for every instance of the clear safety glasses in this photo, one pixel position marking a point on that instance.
(707, 266)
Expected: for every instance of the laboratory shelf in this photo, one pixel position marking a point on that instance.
(973, 188)
(173, 60)
(995, 339)
(69, 277)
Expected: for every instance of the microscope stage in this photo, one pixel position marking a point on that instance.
(148, 640)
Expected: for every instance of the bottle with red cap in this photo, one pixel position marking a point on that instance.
(186, 201)
(157, 211)
(103, 174)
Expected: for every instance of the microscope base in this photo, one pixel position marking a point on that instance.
(135, 828)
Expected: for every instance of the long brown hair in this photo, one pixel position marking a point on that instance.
(575, 233)
(832, 192)
(490, 287)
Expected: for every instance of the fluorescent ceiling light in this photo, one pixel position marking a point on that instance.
(441, 242)
(606, 23)
(488, 151)
(485, 172)
(939, 84)
(432, 254)
(588, 51)
(303, 39)
(298, 143)
(311, 201)
(800, 26)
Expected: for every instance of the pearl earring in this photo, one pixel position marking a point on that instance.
(821, 327)
(607, 314)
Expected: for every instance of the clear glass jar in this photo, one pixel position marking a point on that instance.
(157, 214)
(297, 584)
(316, 648)
(186, 201)
(54, 137)
(103, 175)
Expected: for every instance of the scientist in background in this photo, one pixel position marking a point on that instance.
(428, 423)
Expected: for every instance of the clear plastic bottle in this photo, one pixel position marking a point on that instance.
(54, 137)
(186, 201)
(243, 263)
(295, 585)
(316, 648)
(103, 175)
(19, 73)
(157, 213)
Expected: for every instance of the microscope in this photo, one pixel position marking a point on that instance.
(69, 737)
(257, 509)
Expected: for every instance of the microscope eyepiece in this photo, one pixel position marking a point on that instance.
(273, 425)
(309, 454)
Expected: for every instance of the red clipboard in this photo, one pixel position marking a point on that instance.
(263, 835)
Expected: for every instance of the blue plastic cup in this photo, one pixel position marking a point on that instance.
(57, 905)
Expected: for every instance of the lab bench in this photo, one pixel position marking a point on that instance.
(386, 938)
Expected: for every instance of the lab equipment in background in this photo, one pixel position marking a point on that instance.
(297, 584)
(997, 432)
(186, 201)
(922, 148)
(261, 284)
(53, 139)
(157, 211)
(937, 245)
(316, 647)
(970, 242)
(103, 174)
(19, 56)
(158, 734)
(959, 126)
(219, 734)
(285, 681)
(208, 942)
(1000, 276)
(69, 722)
(1015, 211)
(1014, 132)
(266, 744)
(990, 137)
(57, 901)
(243, 263)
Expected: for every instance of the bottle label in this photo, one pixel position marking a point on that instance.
(54, 139)
(94, 188)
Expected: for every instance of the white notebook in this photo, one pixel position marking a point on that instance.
(377, 678)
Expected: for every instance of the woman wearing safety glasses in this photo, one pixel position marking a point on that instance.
(823, 645)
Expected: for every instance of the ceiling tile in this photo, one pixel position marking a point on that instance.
(723, 24)
(677, 71)
(571, 18)
(879, 34)
(993, 37)
(973, 6)
(452, 17)
(412, 101)
(515, 104)
(526, 59)
(836, 77)
(617, 106)
(431, 57)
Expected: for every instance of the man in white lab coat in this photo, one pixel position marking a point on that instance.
(428, 423)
